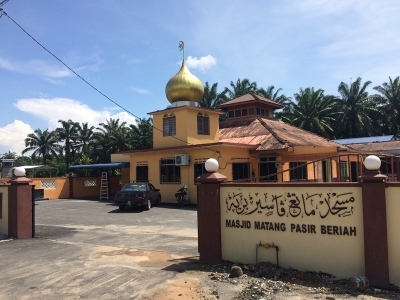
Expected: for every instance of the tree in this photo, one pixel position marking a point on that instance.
(111, 138)
(85, 137)
(68, 132)
(142, 134)
(240, 88)
(43, 144)
(357, 109)
(211, 98)
(312, 111)
(271, 95)
(9, 155)
(390, 97)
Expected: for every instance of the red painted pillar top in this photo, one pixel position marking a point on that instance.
(209, 217)
(375, 228)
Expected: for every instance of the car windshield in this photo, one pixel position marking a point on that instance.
(134, 187)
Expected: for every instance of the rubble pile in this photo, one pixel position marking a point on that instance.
(267, 281)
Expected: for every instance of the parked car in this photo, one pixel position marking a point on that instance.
(138, 194)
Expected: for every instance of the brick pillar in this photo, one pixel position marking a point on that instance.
(209, 217)
(70, 186)
(20, 211)
(375, 229)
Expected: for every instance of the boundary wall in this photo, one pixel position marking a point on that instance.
(59, 187)
(345, 229)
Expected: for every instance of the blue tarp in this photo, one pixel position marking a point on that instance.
(100, 166)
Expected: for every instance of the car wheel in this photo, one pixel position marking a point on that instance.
(121, 207)
(148, 204)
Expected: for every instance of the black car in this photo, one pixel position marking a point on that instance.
(138, 194)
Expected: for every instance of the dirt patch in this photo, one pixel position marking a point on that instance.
(143, 258)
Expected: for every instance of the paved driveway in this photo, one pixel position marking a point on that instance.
(87, 249)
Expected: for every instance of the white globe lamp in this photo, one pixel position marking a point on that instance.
(19, 171)
(372, 162)
(211, 165)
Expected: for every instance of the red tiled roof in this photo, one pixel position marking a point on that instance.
(270, 134)
(250, 97)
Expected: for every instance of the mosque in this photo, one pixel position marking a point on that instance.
(250, 145)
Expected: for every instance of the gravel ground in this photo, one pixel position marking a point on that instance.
(267, 281)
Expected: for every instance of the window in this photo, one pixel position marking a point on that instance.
(300, 171)
(231, 114)
(199, 169)
(169, 126)
(266, 167)
(258, 111)
(251, 111)
(241, 171)
(237, 113)
(203, 124)
(169, 173)
(244, 112)
(142, 173)
(343, 170)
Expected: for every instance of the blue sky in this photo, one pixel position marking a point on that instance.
(129, 50)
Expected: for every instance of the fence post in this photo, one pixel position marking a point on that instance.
(375, 228)
(70, 186)
(209, 217)
(20, 208)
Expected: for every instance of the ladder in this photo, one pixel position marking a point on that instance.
(104, 186)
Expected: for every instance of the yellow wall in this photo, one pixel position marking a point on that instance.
(186, 128)
(4, 219)
(152, 160)
(341, 255)
(392, 211)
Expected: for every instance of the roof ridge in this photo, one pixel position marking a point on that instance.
(274, 134)
(255, 96)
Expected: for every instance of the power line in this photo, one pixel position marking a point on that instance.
(84, 80)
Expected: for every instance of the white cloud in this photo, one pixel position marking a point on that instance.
(52, 110)
(49, 71)
(140, 91)
(12, 137)
(35, 67)
(203, 63)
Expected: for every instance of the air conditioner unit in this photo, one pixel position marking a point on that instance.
(182, 160)
(278, 164)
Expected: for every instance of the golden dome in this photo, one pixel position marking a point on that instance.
(184, 86)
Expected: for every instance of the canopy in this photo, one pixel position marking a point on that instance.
(100, 166)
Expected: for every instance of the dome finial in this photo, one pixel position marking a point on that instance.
(182, 48)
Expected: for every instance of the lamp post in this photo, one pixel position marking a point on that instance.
(374, 221)
(209, 213)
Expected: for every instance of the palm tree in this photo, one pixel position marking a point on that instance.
(9, 155)
(271, 95)
(111, 138)
(240, 88)
(211, 98)
(357, 109)
(85, 137)
(390, 96)
(142, 134)
(312, 111)
(68, 132)
(42, 144)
